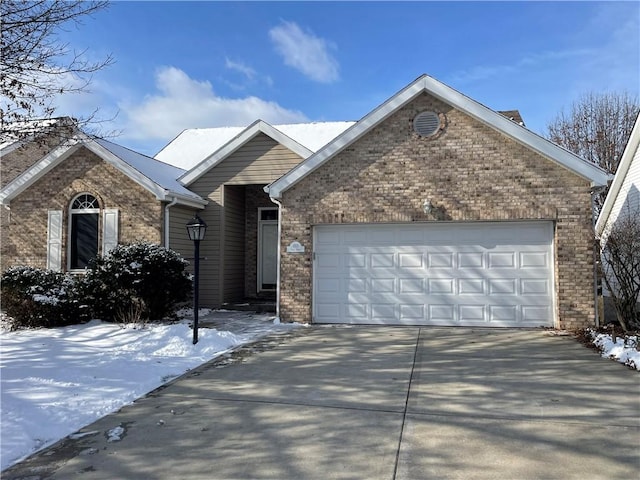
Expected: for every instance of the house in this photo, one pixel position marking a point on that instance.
(431, 210)
(623, 198)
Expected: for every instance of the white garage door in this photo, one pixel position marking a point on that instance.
(472, 274)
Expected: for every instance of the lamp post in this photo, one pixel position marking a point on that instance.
(196, 229)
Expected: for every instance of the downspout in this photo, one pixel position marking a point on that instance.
(166, 221)
(279, 255)
(595, 191)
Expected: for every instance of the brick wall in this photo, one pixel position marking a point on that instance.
(470, 172)
(140, 213)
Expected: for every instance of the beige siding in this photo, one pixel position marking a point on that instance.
(234, 243)
(178, 237)
(261, 161)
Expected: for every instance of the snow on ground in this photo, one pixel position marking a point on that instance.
(56, 381)
(622, 349)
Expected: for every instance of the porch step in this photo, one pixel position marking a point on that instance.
(258, 306)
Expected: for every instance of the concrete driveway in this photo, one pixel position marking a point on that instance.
(374, 403)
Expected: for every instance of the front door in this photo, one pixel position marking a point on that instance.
(267, 248)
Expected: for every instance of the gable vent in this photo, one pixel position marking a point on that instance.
(426, 124)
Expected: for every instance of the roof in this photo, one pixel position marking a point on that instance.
(157, 177)
(630, 152)
(513, 115)
(194, 145)
(426, 84)
(18, 133)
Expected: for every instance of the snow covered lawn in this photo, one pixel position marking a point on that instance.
(55, 381)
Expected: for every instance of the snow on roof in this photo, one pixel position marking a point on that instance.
(195, 144)
(161, 173)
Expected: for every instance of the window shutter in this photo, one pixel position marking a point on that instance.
(54, 240)
(109, 230)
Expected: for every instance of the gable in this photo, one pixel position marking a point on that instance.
(468, 170)
(85, 171)
(257, 129)
(260, 160)
(449, 96)
(154, 176)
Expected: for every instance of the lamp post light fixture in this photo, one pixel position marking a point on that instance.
(196, 229)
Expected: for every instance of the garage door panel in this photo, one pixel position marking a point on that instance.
(534, 287)
(382, 260)
(470, 260)
(383, 285)
(484, 274)
(534, 260)
(439, 260)
(472, 313)
(502, 260)
(471, 286)
(411, 260)
(412, 285)
(441, 313)
(505, 286)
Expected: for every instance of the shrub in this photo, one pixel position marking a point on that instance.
(621, 267)
(141, 280)
(41, 298)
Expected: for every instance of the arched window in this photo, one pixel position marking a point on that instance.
(85, 215)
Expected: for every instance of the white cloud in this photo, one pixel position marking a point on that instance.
(246, 70)
(529, 62)
(305, 52)
(182, 102)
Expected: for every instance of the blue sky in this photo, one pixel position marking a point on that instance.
(204, 64)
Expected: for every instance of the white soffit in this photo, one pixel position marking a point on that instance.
(425, 83)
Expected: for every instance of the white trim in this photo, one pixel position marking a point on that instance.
(238, 141)
(498, 122)
(80, 211)
(54, 240)
(109, 229)
(618, 180)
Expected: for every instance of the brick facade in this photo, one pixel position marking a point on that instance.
(470, 172)
(25, 242)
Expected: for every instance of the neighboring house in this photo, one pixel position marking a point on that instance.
(623, 197)
(430, 210)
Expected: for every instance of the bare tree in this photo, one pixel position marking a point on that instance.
(597, 127)
(620, 257)
(36, 65)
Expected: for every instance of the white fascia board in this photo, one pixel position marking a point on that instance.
(259, 126)
(593, 173)
(618, 180)
(141, 179)
(38, 170)
(186, 201)
(596, 175)
(10, 148)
